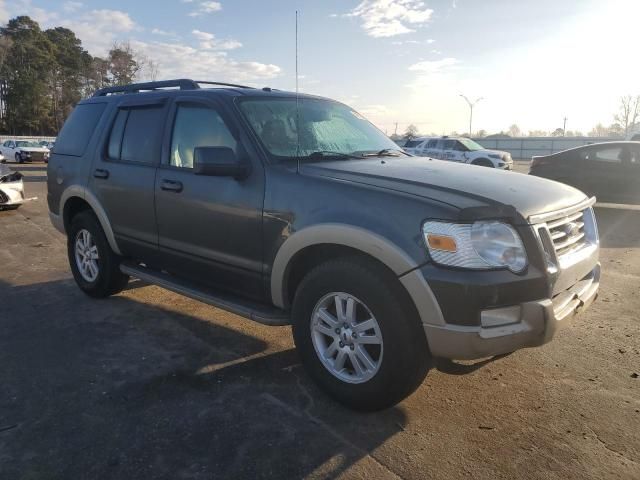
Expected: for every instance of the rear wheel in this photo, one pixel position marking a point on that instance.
(357, 336)
(95, 267)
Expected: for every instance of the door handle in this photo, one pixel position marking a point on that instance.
(171, 186)
(101, 173)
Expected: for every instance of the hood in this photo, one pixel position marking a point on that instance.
(33, 149)
(8, 175)
(462, 186)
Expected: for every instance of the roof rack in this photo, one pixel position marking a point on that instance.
(222, 84)
(182, 84)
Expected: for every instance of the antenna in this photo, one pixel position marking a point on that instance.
(296, 52)
(297, 104)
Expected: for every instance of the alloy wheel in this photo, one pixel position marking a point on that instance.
(346, 337)
(86, 253)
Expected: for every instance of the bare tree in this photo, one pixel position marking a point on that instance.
(538, 133)
(411, 132)
(123, 63)
(627, 116)
(613, 130)
(148, 68)
(514, 131)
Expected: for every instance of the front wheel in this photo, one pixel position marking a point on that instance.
(357, 334)
(95, 267)
(19, 158)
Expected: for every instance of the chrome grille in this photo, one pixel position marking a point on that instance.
(567, 233)
(567, 236)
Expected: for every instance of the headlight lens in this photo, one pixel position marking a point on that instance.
(480, 245)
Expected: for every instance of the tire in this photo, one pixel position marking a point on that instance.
(19, 159)
(483, 162)
(402, 357)
(108, 279)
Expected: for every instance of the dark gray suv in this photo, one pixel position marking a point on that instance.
(293, 209)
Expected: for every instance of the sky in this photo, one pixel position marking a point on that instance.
(395, 61)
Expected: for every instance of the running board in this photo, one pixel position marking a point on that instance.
(255, 311)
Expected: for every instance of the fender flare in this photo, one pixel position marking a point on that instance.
(405, 268)
(81, 192)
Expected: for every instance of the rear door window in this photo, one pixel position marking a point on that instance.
(115, 139)
(136, 134)
(78, 129)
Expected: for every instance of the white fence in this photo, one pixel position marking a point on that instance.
(523, 148)
(4, 138)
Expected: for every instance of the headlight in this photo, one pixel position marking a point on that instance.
(495, 155)
(482, 245)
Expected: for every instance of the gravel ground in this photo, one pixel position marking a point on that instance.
(149, 384)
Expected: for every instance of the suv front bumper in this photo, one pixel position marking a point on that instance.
(532, 324)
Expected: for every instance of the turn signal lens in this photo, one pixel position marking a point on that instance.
(442, 242)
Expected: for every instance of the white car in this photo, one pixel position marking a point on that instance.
(462, 150)
(21, 151)
(11, 188)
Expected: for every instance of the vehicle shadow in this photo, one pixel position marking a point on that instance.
(28, 167)
(619, 226)
(454, 367)
(137, 387)
(34, 178)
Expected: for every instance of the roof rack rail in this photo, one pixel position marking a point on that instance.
(204, 82)
(181, 83)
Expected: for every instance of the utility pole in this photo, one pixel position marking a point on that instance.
(395, 132)
(564, 127)
(471, 105)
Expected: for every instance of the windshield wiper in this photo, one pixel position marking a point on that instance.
(331, 154)
(385, 152)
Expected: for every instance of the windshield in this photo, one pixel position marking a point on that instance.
(470, 144)
(26, 144)
(325, 126)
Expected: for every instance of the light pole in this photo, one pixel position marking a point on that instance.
(471, 105)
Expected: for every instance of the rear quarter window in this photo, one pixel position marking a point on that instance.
(78, 129)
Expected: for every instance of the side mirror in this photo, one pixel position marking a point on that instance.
(218, 162)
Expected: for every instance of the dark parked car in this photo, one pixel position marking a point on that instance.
(290, 209)
(610, 171)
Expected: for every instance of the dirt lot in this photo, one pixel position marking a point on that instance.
(148, 384)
